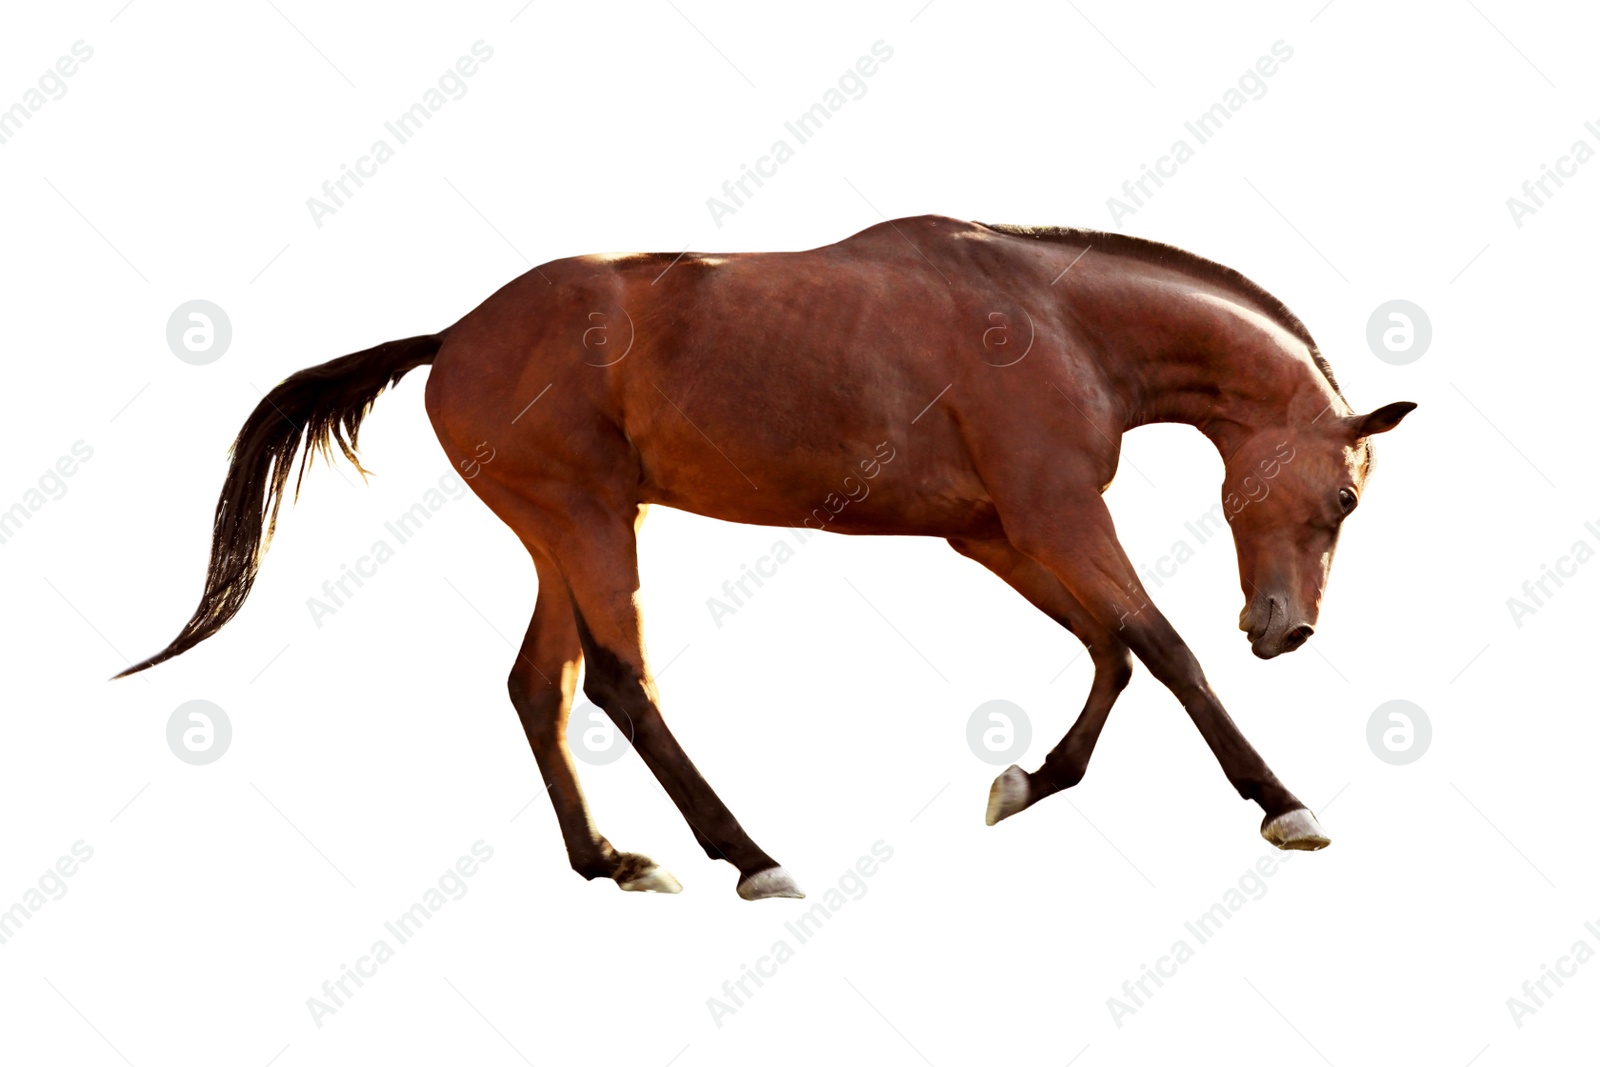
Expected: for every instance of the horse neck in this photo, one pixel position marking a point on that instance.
(1219, 363)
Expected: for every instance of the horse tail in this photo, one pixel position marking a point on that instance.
(308, 413)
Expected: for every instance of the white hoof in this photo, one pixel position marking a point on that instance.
(772, 882)
(1297, 830)
(653, 880)
(1008, 795)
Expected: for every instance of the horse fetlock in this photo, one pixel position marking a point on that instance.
(632, 871)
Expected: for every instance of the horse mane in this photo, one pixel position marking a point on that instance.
(1172, 256)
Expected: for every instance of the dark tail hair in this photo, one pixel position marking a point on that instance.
(316, 408)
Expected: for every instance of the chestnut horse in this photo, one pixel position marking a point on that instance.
(998, 365)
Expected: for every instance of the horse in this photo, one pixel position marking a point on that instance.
(980, 375)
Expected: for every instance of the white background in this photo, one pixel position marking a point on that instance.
(368, 754)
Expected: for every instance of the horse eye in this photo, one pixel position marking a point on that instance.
(1347, 500)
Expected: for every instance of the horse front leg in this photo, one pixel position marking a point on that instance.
(1067, 763)
(1090, 562)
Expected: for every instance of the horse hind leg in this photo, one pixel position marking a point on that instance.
(1065, 766)
(542, 684)
(596, 550)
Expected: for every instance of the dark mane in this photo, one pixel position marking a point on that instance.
(1168, 255)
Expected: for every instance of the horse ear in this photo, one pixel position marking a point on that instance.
(1384, 419)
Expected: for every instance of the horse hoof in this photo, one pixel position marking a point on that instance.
(1008, 795)
(652, 880)
(1298, 830)
(772, 882)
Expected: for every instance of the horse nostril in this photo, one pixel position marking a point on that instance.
(1297, 636)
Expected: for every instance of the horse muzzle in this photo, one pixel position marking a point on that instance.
(1271, 628)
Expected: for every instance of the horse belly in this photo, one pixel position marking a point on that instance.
(798, 434)
(881, 488)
